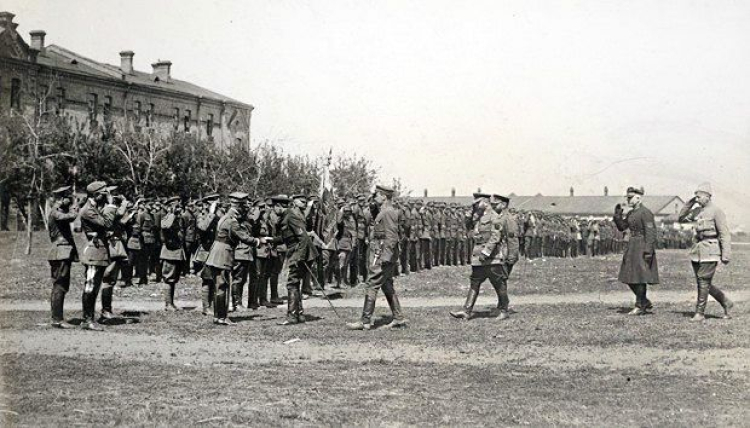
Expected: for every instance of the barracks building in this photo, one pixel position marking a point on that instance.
(36, 77)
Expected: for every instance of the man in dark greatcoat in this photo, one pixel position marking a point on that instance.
(639, 267)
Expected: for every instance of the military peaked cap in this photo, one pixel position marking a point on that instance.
(60, 191)
(96, 186)
(384, 189)
(635, 190)
(280, 199)
(501, 198)
(173, 199)
(238, 196)
(480, 195)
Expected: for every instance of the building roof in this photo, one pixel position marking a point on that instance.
(55, 56)
(575, 205)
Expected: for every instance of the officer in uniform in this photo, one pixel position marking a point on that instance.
(134, 245)
(221, 257)
(244, 271)
(95, 224)
(189, 225)
(383, 241)
(415, 230)
(266, 252)
(118, 255)
(425, 239)
(364, 220)
(149, 247)
(172, 253)
(489, 257)
(300, 253)
(639, 266)
(346, 231)
(62, 253)
(206, 227)
(712, 245)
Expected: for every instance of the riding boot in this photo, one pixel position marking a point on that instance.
(700, 307)
(638, 308)
(471, 299)
(107, 302)
(398, 316)
(57, 302)
(723, 300)
(367, 310)
(501, 289)
(206, 297)
(292, 307)
(300, 311)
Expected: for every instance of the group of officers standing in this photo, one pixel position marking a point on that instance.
(239, 244)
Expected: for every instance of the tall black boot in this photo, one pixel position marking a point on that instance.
(57, 303)
(293, 299)
(700, 307)
(638, 308)
(398, 316)
(501, 289)
(168, 297)
(206, 296)
(365, 323)
(107, 302)
(722, 299)
(471, 299)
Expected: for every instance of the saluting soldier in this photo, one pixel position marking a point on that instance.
(118, 255)
(639, 267)
(172, 253)
(300, 253)
(207, 221)
(489, 257)
(95, 224)
(415, 230)
(149, 251)
(364, 221)
(713, 244)
(346, 234)
(134, 245)
(62, 253)
(221, 257)
(381, 262)
(190, 231)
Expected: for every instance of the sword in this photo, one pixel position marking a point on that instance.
(319, 287)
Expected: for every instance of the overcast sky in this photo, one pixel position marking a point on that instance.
(511, 96)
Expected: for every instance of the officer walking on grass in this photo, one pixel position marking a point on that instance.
(63, 253)
(712, 245)
(381, 263)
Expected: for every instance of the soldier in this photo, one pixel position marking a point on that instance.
(489, 257)
(639, 266)
(118, 255)
(172, 253)
(221, 257)
(278, 250)
(404, 231)
(425, 239)
(346, 235)
(301, 252)
(134, 245)
(383, 241)
(189, 225)
(712, 244)
(364, 219)
(206, 227)
(415, 230)
(157, 213)
(95, 224)
(244, 269)
(62, 253)
(149, 249)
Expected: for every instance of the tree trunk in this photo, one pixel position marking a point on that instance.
(29, 225)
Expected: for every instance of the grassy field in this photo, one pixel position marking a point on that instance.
(557, 364)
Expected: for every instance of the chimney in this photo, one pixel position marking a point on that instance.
(453, 192)
(572, 192)
(126, 62)
(479, 190)
(6, 20)
(162, 70)
(425, 193)
(606, 191)
(37, 39)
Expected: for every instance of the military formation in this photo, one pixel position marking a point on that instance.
(238, 245)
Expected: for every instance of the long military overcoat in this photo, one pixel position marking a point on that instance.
(635, 268)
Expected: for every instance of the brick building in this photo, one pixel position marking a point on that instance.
(35, 77)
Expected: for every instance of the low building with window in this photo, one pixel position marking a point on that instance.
(49, 79)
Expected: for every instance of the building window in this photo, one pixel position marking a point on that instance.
(210, 125)
(15, 94)
(46, 102)
(176, 118)
(93, 102)
(186, 119)
(238, 140)
(107, 110)
(137, 110)
(60, 105)
(150, 114)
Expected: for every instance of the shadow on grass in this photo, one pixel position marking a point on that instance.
(689, 314)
